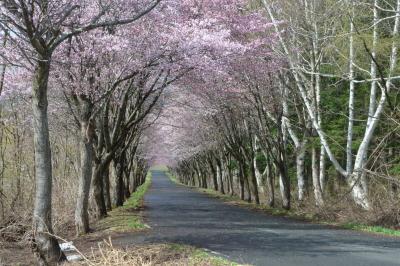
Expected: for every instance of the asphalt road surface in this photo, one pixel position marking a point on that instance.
(182, 215)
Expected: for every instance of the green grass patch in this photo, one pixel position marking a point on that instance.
(127, 217)
(135, 200)
(197, 256)
(172, 177)
(201, 257)
(372, 229)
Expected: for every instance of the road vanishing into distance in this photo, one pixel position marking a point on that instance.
(182, 215)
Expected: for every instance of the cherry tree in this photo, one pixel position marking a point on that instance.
(36, 29)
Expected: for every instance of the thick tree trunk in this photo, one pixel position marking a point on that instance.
(106, 188)
(248, 189)
(198, 183)
(284, 180)
(285, 193)
(229, 176)
(234, 182)
(319, 201)
(220, 173)
(322, 166)
(133, 181)
(46, 245)
(231, 183)
(246, 183)
(214, 174)
(192, 180)
(241, 181)
(359, 189)
(119, 182)
(270, 186)
(228, 182)
(204, 180)
(300, 156)
(254, 183)
(82, 203)
(127, 191)
(98, 189)
(284, 185)
(259, 176)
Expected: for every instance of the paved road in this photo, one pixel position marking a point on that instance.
(182, 215)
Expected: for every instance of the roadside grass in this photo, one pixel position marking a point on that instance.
(173, 178)
(127, 217)
(152, 254)
(372, 229)
(295, 214)
(198, 256)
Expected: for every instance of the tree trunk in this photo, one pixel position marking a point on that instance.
(46, 246)
(231, 183)
(241, 181)
(98, 189)
(315, 177)
(284, 180)
(284, 185)
(248, 189)
(119, 182)
(204, 180)
(254, 182)
(259, 176)
(349, 153)
(193, 180)
(132, 179)
(228, 182)
(220, 172)
(229, 178)
(360, 190)
(246, 183)
(270, 186)
(214, 174)
(197, 174)
(322, 166)
(127, 191)
(300, 156)
(81, 211)
(106, 188)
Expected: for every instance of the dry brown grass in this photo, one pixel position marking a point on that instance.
(15, 227)
(154, 254)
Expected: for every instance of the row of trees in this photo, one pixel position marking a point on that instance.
(316, 106)
(53, 44)
(95, 73)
